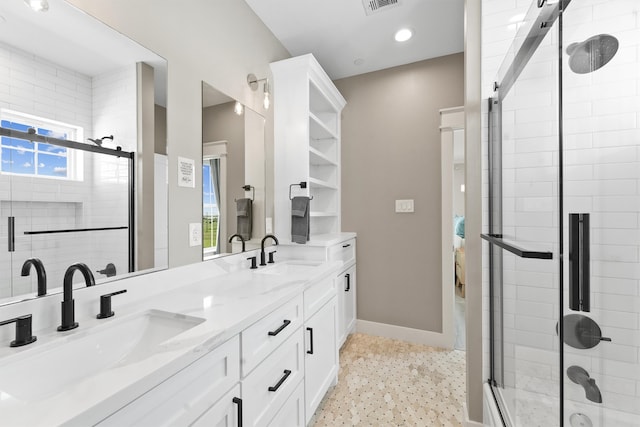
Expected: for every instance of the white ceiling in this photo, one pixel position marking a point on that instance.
(71, 38)
(338, 32)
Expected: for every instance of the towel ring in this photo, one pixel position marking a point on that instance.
(301, 184)
(247, 188)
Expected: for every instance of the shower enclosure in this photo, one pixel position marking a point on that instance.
(62, 202)
(564, 218)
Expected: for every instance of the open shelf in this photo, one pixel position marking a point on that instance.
(319, 130)
(320, 214)
(314, 182)
(316, 157)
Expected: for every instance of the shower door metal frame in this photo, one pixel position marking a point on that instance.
(546, 18)
(130, 156)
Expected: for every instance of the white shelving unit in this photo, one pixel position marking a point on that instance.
(307, 108)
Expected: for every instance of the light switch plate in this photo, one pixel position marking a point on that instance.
(195, 234)
(404, 206)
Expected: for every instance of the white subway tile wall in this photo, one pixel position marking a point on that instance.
(604, 126)
(601, 164)
(102, 105)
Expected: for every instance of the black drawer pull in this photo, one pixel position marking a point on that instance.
(238, 402)
(348, 276)
(277, 331)
(287, 372)
(347, 245)
(310, 351)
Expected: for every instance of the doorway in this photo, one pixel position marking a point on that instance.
(453, 219)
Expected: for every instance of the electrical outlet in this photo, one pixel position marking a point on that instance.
(404, 206)
(195, 234)
(268, 225)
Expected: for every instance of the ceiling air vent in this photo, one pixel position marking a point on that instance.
(375, 6)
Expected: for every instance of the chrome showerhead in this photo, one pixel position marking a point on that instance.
(592, 54)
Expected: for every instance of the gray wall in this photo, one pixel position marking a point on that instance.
(391, 150)
(219, 42)
(221, 123)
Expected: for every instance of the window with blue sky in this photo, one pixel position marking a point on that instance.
(23, 157)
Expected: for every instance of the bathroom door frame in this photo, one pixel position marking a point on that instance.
(451, 119)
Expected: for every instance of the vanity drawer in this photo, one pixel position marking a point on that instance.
(182, 398)
(317, 295)
(261, 338)
(345, 251)
(269, 386)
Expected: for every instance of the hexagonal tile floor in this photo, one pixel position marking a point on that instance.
(386, 382)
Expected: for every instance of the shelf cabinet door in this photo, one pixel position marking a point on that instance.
(321, 356)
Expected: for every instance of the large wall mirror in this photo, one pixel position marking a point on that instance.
(233, 163)
(83, 176)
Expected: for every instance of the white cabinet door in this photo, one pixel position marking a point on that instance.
(227, 412)
(292, 412)
(346, 288)
(349, 308)
(321, 356)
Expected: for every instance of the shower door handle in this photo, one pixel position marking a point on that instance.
(11, 235)
(579, 272)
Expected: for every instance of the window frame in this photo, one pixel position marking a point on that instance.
(73, 157)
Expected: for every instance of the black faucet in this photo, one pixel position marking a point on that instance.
(42, 275)
(68, 311)
(240, 237)
(275, 239)
(23, 330)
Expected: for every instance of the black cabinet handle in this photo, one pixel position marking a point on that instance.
(287, 372)
(277, 331)
(579, 272)
(238, 402)
(347, 245)
(348, 276)
(310, 351)
(11, 228)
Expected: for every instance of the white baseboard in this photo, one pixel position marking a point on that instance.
(467, 422)
(418, 336)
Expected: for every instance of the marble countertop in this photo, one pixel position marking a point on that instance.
(228, 304)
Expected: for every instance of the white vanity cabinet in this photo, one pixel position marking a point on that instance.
(306, 143)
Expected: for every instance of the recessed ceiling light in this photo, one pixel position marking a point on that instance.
(358, 61)
(403, 35)
(38, 5)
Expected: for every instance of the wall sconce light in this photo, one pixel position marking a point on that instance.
(38, 5)
(253, 82)
(462, 188)
(238, 108)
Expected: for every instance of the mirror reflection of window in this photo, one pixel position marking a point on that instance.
(210, 206)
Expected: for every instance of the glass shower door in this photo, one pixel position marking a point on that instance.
(524, 233)
(601, 221)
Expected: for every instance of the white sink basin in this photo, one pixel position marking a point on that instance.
(44, 371)
(288, 267)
